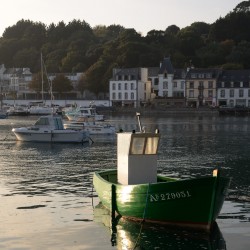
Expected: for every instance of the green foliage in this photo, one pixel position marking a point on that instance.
(76, 47)
(39, 83)
(61, 84)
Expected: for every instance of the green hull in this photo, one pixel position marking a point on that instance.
(189, 202)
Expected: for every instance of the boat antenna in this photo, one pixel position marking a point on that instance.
(139, 121)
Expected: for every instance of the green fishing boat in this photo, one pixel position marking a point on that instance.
(135, 191)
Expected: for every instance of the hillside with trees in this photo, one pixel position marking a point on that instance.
(76, 47)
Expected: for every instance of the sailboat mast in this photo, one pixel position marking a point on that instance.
(42, 74)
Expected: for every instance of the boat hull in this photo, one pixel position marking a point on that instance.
(191, 202)
(50, 136)
(92, 129)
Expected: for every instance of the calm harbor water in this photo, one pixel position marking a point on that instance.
(48, 202)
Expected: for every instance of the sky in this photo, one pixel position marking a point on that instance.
(142, 15)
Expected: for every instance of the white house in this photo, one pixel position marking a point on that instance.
(130, 87)
(166, 76)
(233, 88)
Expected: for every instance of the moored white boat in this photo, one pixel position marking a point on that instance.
(3, 114)
(40, 110)
(84, 111)
(49, 129)
(89, 125)
(18, 111)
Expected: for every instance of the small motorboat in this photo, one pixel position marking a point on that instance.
(49, 129)
(3, 114)
(84, 111)
(135, 191)
(89, 125)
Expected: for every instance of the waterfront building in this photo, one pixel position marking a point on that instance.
(170, 90)
(233, 88)
(17, 82)
(154, 78)
(201, 87)
(166, 76)
(130, 87)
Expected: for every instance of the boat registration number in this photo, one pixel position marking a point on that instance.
(169, 196)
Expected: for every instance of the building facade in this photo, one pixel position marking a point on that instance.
(130, 87)
(201, 87)
(233, 88)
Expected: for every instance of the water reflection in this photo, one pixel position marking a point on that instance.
(133, 235)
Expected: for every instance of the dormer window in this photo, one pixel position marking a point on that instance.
(232, 84)
(241, 84)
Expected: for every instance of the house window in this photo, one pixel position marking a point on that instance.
(125, 77)
(165, 85)
(125, 86)
(113, 96)
(156, 81)
(193, 75)
(191, 93)
(119, 95)
(191, 85)
(241, 84)
(231, 93)
(175, 84)
(232, 84)
(113, 86)
(126, 96)
(222, 84)
(241, 93)
(119, 86)
(132, 86)
(119, 77)
(182, 84)
(210, 84)
(210, 93)
(165, 75)
(132, 96)
(248, 92)
(201, 84)
(222, 93)
(165, 93)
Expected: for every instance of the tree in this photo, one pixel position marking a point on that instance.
(172, 30)
(241, 54)
(39, 84)
(82, 84)
(61, 84)
(243, 7)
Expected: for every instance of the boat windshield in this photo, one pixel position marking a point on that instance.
(144, 144)
(42, 121)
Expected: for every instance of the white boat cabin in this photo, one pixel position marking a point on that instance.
(137, 157)
(53, 122)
